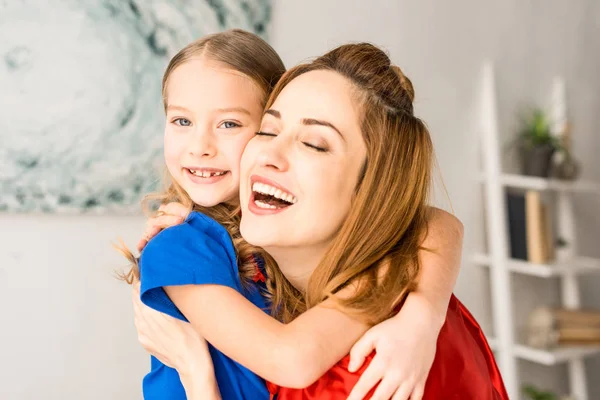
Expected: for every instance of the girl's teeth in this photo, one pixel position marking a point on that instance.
(206, 174)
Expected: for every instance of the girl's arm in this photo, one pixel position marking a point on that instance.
(406, 343)
(441, 265)
(292, 355)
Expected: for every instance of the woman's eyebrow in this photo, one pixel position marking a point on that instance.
(274, 113)
(308, 121)
(313, 121)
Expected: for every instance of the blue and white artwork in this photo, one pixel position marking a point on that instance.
(81, 117)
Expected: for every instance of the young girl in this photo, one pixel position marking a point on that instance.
(214, 91)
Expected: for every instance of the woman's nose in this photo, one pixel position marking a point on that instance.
(275, 154)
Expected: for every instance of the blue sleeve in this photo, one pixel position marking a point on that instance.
(188, 254)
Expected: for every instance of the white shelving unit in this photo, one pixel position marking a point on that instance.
(567, 268)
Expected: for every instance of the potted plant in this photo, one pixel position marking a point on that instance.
(537, 145)
(533, 393)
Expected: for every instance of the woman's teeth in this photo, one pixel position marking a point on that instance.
(206, 174)
(269, 190)
(262, 204)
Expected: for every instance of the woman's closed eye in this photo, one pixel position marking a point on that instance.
(314, 142)
(184, 122)
(263, 133)
(319, 148)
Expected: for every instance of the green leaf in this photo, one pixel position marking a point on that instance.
(535, 394)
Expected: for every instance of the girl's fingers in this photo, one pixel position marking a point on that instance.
(418, 393)
(366, 382)
(360, 351)
(388, 388)
(403, 393)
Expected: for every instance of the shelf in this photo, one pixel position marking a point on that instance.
(578, 265)
(555, 356)
(535, 183)
(549, 357)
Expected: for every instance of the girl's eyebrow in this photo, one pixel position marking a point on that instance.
(233, 109)
(220, 110)
(177, 108)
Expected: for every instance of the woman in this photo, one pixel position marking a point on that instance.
(340, 138)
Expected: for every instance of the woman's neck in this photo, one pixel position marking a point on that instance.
(297, 264)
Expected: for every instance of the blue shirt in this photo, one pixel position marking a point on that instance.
(197, 252)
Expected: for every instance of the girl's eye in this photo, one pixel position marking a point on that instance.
(229, 125)
(182, 122)
(314, 147)
(260, 133)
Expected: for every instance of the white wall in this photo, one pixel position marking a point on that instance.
(441, 47)
(66, 325)
(66, 329)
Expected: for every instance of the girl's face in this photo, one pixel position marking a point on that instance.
(299, 174)
(212, 112)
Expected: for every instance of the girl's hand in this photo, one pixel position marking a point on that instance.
(168, 215)
(405, 346)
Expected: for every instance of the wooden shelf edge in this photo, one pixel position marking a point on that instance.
(578, 265)
(548, 357)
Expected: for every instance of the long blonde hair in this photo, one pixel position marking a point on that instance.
(250, 55)
(376, 249)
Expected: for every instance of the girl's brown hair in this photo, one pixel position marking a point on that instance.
(250, 55)
(376, 249)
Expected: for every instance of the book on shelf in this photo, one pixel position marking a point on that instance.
(515, 202)
(533, 227)
(582, 335)
(530, 227)
(548, 233)
(549, 327)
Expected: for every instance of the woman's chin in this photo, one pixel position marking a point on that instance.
(254, 239)
(256, 236)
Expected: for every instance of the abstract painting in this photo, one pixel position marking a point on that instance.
(80, 104)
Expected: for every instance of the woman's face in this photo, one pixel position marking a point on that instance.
(212, 112)
(299, 174)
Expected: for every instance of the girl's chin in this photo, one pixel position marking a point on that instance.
(211, 200)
